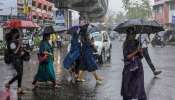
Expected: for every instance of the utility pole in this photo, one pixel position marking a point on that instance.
(11, 12)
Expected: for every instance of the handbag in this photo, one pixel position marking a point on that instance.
(42, 58)
(26, 56)
(7, 57)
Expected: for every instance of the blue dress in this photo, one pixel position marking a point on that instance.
(74, 52)
(46, 70)
(88, 61)
(133, 74)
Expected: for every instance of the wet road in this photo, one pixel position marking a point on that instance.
(159, 88)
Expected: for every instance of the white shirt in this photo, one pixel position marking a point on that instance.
(143, 38)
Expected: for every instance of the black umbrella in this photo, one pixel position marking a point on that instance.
(47, 30)
(140, 26)
(59, 29)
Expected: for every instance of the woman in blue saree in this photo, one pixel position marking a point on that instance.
(74, 52)
(88, 62)
(46, 69)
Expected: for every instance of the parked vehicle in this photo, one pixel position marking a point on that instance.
(103, 45)
(113, 35)
(28, 42)
(157, 41)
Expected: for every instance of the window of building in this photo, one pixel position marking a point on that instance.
(39, 5)
(34, 3)
(45, 7)
(158, 9)
(20, 1)
(50, 0)
(34, 17)
(20, 9)
(50, 9)
(172, 5)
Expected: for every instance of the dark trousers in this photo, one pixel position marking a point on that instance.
(131, 99)
(148, 59)
(18, 66)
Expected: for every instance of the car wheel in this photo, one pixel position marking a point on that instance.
(102, 57)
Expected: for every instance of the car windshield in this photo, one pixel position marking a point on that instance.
(97, 36)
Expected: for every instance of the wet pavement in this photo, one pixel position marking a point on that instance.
(157, 88)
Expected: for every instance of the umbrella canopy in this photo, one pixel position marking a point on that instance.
(140, 26)
(48, 30)
(20, 24)
(59, 29)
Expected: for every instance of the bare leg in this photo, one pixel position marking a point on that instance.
(80, 76)
(97, 77)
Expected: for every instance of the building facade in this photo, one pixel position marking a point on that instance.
(164, 13)
(39, 11)
(7, 9)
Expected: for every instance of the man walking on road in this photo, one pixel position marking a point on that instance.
(144, 40)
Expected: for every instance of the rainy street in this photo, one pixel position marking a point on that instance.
(87, 49)
(161, 87)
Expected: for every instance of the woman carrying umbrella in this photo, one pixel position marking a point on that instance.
(15, 49)
(133, 74)
(46, 68)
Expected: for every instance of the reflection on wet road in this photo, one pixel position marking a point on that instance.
(158, 88)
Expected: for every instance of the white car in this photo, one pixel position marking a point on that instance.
(103, 45)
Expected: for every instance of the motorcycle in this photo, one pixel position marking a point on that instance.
(157, 41)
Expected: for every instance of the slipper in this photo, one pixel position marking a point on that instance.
(81, 80)
(20, 92)
(7, 86)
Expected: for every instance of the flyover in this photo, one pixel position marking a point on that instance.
(94, 10)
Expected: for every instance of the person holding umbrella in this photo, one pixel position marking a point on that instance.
(133, 74)
(46, 58)
(15, 49)
(144, 40)
(141, 27)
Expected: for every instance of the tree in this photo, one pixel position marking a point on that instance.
(120, 16)
(137, 9)
(111, 15)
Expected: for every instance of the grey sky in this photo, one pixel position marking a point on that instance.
(116, 5)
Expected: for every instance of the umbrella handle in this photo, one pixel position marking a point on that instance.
(140, 40)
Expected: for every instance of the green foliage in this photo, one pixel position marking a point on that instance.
(37, 40)
(135, 9)
(120, 17)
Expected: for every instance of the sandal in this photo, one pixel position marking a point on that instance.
(56, 86)
(35, 87)
(99, 82)
(81, 80)
(7, 86)
(20, 91)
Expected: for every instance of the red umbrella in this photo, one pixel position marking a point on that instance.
(20, 24)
